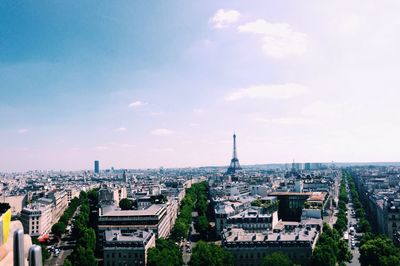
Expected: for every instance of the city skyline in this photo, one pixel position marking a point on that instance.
(156, 84)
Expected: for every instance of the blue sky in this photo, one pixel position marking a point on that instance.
(166, 83)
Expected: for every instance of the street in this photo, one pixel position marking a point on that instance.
(352, 222)
(188, 245)
(66, 246)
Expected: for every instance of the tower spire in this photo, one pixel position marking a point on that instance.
(234, 166)
(234, 146)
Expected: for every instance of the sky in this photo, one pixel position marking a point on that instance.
(145, 84)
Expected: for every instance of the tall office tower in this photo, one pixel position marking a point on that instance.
(96, 167)
(124, 176)
(234, 166)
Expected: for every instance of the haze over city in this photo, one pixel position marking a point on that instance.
(199, 133)
(152, 84)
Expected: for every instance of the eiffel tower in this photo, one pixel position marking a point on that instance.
(234, 166)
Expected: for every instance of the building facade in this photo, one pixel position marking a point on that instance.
(60, 203)
(249, 247)
(154, 218)
(127, 248)
(37, 219)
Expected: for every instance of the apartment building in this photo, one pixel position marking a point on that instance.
(127, 248)
(154, 218)
(249, 247)
(37, 218)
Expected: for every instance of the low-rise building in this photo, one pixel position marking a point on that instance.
(154, 218)
(393, 214)
(254, 218)
(296, 240)
(72, 193)
(60, 203)
(127, 248)
(227, 208)
(37, 218)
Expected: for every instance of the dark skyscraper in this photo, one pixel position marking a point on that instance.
(96, 167)
(234, 166)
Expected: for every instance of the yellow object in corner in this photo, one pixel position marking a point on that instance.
(6, 218)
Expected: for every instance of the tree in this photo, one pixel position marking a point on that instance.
(180, 229)
(389, 261)
(366, 237)
(82, 196)
(88, 239)
(83, 256)
(330, 248)
(93, 197)
(58, 229)
(344, 254)
(323, 255)
(166, 253)
(202, 225)
(364, 225)
(277, 259)
(126, 204)
(67, 262)
(379, 251)
(210, 255)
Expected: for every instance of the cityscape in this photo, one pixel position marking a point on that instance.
(199, 133)
(288, 214)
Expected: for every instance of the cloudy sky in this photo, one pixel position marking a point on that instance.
(140, 84)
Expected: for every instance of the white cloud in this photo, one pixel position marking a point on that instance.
(22, 131)
(279, 40)
(278, 91)
(162, 132)
(120, 129)
(137, 104)
(222, 18)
